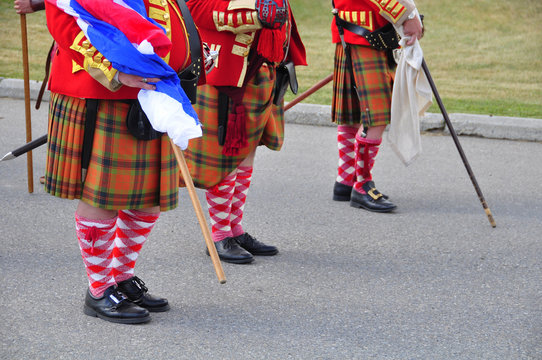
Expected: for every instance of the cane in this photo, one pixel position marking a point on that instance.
(199, 212)
(29, 167)
(458, 145)
(309, 92)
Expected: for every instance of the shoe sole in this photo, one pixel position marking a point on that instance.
(157, 309)
(241, 261)
(244, 261)
(90, 312)
(341, 197)
(263, 254)
(359, 206)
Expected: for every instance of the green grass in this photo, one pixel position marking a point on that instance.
(485, 55)
(39, 42)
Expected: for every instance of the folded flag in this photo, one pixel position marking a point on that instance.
(411, 97)
(134, 43)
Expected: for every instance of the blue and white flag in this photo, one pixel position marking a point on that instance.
(133, 43)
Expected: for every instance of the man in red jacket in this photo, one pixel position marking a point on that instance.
(128, 180)
(239, 110)
(362, 116)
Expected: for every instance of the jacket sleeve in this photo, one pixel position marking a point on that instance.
(395, 11)
(72, 41)
(236, 16)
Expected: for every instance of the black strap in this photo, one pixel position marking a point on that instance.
(356, 29)
(193, 38)
(88, 136)
(223, 109)
(46, 77)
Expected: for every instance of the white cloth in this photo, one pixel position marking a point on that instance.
(410, 99)
(167, 115)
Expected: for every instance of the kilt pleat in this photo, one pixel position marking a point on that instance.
(264, 122)
(124, 173)
(63, 165)
(374, 80)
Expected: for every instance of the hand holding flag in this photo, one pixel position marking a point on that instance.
(134, 44)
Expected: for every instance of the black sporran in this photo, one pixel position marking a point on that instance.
(189, 83)
(285, 75)
(138, 123)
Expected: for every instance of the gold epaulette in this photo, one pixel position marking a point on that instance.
(392, 8)
(93, 59)
(361, 18)
(236, 21)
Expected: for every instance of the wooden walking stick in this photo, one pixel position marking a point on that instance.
(199, 212)
(458, 145)
(309, 92)
(29, 167)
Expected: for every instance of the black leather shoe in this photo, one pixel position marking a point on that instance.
(255, 247)
(341, 192)
(372, 200)
(114, 307)
(229, 251)
(136, 291)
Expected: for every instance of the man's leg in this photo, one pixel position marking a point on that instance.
(134, 227)
(96, 230)
(364, 193)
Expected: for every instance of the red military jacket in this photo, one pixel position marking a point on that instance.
(79, 70)
(229, 27)
(370, 14)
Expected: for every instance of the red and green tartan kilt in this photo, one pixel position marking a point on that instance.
(374, 80)
(264, 124)
(124, 173)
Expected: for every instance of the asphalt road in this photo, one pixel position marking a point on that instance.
(431, 281)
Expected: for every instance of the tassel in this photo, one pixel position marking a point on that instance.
(241, 127)
(93, 235)
(270, 44)
(236, 134)
(229, 143)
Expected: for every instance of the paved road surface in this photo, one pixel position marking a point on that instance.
(432, 281)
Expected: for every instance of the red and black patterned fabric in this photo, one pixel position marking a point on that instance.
(264, 122)
(374, 79)
(124, 173)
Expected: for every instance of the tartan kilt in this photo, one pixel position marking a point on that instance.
(264, 124)
(374, 79)
(124, 173)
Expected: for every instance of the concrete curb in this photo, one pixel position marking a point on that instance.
(486, 126)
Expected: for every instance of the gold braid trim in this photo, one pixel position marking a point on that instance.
(390, 9)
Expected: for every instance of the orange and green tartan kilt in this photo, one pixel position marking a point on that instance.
(374, 80)
(264, 124)
(124, 173)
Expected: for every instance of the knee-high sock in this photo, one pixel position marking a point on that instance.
(346, 138)
(96, 241)
(219, 198)
(133, 228)
(242, 184)
(366, 150)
